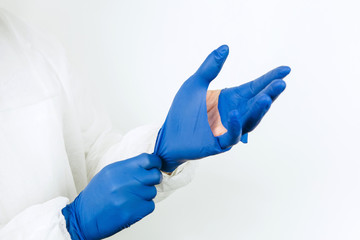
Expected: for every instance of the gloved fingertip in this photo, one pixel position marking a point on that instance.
(265, 102)
(220, 54)
(233, 135)
(284, 70)
(212, 65)
(244, 138)
(223, 50)
(279, 86)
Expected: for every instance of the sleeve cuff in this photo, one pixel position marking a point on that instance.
(179, 178)
(42, 221)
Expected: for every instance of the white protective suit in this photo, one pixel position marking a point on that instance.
(52, 140)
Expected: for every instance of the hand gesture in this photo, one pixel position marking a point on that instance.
(193, 126)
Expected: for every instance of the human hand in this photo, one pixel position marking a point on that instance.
(202, 123)
(250, 100)
(117, 197)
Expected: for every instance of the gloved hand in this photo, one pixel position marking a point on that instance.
(186, 133)
(117, 197)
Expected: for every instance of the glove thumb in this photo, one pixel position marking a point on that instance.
(212, 65)
(233, 135)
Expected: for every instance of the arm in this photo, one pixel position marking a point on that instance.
(42, 221)
(21, 221)
(45, 220)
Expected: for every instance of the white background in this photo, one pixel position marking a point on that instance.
(299, 176)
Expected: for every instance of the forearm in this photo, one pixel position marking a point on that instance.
(41, 221)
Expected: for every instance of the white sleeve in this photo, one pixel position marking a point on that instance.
(38, 222)
(45, 221)
(101, 146)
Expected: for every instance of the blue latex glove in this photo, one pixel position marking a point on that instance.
(117, 197)
(186, 133)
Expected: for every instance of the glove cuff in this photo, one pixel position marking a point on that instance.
(166, 166)
(157, 142)
(72, 223)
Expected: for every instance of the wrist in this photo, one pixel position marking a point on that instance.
(72, 225)
(170, 167)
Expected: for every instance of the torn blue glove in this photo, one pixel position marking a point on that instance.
(186, 133)
(117, 197)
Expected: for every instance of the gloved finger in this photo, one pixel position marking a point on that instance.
(244, 138)
(274, 89)
(150, 177)
(149, 161)
(149, 193)
(257, 110)
(212, 65)
(233, 135)
(146, 192)
(252, 88)
(140, 210)
(147, 208)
